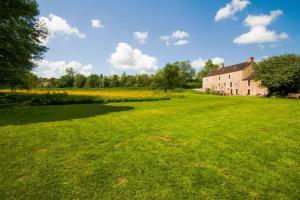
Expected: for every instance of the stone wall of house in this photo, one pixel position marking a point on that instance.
(253, 88)
(229, 83)
(233, 83)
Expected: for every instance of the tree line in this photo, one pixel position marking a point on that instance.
(173, 75)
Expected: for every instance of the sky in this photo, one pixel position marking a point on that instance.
(141, 36)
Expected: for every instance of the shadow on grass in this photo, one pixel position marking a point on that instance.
(35, 114)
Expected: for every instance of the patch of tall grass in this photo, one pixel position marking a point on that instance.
(78, 97)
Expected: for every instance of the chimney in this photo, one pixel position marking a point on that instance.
(250, 59)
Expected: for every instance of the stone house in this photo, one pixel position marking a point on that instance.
(236, 79)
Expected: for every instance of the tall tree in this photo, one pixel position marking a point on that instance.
(105, 82)
(142, 80)
(186, 72)
(280, 74)
(21, 37)
(79, 80)
(67, 80)
(93, 81)
(170, 76)
(29, 81)
(114, 81)
(123, 79)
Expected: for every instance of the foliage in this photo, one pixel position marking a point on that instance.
(93, 81)
(29, 81)
(191, 85)
(197, 147)
(280, 74)
(185, 72)
(68, 79)
(21, 38)
(79, 80)
(114, 81)
(179, 74)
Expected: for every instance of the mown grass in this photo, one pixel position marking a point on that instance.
(198, 147)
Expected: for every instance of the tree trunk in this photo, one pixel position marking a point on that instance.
(165, 89)
(13, 89)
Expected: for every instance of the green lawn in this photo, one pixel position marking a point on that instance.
(197, 147)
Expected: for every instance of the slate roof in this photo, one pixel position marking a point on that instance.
(228, 69)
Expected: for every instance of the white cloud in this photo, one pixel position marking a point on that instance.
(96, 23)
(231, 8)
(141, 36)
(200, 62)
(218, 60)
(127, 58)
(262, 20)
(257, 34)
(176, 38)
(59, 26)
(180, 34)
(181, 42)
(57, 68)
(258, 29)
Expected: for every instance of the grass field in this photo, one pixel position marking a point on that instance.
(105, 93)
(197, 147)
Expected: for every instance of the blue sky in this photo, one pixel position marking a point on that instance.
(199, 32)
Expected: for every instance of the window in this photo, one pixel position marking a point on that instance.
(231, 91)
(219, 77)
(230, 84)
(224, 84)
(229, 76)
(248, 82)
(248, 92)
(236, 91)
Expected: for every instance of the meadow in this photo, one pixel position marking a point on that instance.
(197, 147)
(83, 96)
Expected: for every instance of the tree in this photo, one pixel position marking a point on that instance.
(170, 76)
(131, 81)
(186, 72)
(29, 81)
(93, 81)
(123, 79)
(105, 82)
(114, 81)
(52, 82)
(142, 80)
(280, 74)
(79, 80)
(67, 80)
(21, 37)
